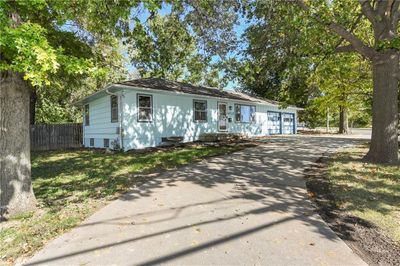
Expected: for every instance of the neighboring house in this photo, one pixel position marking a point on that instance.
(144, 112)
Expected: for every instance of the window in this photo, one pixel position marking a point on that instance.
(145, 108)
(274, 117)
(114, 108)
(86, 114)
(245, 113)
(91, 142)
(200, 111)
(106, 143)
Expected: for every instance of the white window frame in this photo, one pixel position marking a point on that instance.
(115, 109)
(151, 108)
(202, 111)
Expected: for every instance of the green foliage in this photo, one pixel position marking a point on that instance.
(65, 51)
(389, 44)
(276, 63)
(30, 52)
(343, 81)
(164, 48)
(290, 57)
(34, 38)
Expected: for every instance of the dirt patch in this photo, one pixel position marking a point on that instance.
(364, 238)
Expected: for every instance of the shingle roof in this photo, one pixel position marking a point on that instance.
(175, 86)
(161, 84)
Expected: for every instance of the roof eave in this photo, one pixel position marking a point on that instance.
(111, 87)
(114, 87)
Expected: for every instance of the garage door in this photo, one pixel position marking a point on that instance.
(288, 123)
(274, 123)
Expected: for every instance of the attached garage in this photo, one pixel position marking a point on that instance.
(287, 123)
(274, 123)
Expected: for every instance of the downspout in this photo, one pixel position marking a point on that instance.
(83, 126)
(121, 143)
(121, 129)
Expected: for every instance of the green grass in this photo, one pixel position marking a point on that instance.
(368, 191)
(71, 185)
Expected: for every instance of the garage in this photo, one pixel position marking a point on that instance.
(288, 123)
(274, 123)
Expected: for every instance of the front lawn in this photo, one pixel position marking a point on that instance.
(367, 191)
(71, 185)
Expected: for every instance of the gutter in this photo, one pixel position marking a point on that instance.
(121, 86)
(121, 142)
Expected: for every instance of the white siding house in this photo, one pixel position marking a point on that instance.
(140, 113)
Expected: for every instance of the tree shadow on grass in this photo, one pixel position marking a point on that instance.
(362, 186)
(67, 177)
(271, 176)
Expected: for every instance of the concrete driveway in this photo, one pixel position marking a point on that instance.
(247, 208)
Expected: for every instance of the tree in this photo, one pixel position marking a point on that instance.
(54, 103)
(366, 27)
(383, 53)
(164, 48)
(345, 85)
(277, 58)
(45, 42)
(42, 42)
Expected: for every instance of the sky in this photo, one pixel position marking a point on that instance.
(143, 14)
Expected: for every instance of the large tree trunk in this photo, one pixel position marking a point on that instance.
(384, 140)
(16, 194)
(343, 120)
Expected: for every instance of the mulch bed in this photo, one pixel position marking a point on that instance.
(364, 238)
(243, 143)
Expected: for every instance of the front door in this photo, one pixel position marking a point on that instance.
(222, 117)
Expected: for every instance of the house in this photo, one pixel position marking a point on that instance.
(145, 112)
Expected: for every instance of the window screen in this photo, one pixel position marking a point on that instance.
(245, 113)
(200, 111)
(145, 108)
(114, 108)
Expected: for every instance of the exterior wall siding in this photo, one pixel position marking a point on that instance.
(100, 126)
(173, 115)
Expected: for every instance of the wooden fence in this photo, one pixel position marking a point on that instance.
(56, 136)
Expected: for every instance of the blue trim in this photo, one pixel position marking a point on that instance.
(294, 121)
(280, 122)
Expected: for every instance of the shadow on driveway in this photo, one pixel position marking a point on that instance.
(249, 207)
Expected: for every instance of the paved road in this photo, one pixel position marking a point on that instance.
(247, 208)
